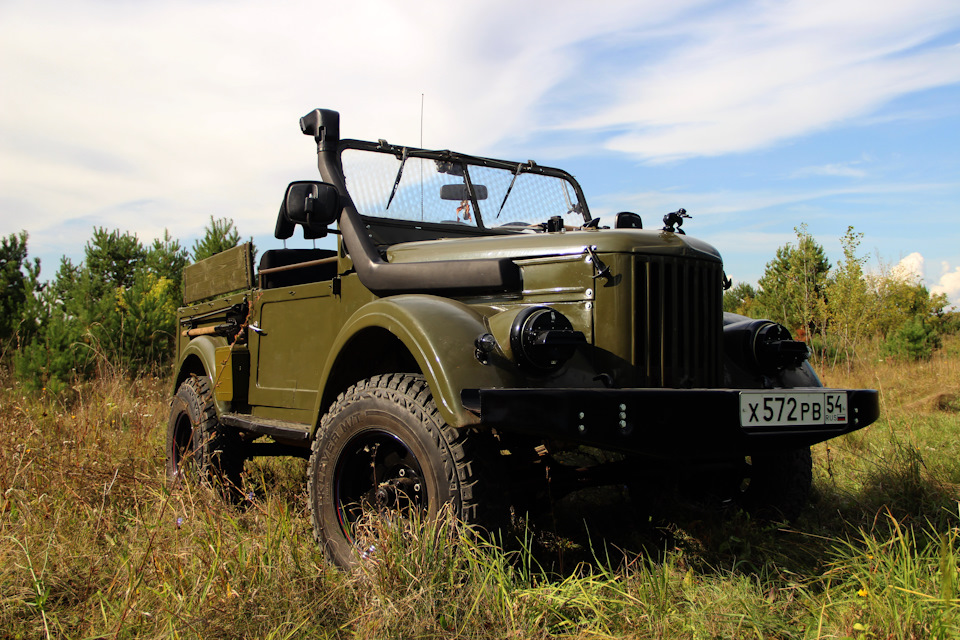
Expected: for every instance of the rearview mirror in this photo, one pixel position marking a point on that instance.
(459, 192)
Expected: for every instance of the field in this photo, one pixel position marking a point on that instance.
(95, 544)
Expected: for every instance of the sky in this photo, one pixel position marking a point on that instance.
(754, 116)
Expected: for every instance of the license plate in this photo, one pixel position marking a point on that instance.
(792, 408)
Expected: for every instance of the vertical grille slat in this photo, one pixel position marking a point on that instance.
(678, 322)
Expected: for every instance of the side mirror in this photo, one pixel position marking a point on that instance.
(313, 205)
(458, 192)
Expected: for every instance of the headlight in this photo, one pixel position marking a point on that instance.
(765, 345)
(543, 339)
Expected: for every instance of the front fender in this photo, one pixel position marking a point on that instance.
(439, 333)
(199, 358)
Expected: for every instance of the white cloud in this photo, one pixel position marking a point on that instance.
(150, 115)
(910, 267)
(840, 170)
(949, 284)
(752, 74)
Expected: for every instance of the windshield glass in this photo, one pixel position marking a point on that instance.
(443, 187)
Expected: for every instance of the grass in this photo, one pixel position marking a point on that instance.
(94, 543)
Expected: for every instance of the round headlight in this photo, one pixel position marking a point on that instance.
(543, 339)
(765, 345)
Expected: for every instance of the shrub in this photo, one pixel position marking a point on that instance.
(914, 340)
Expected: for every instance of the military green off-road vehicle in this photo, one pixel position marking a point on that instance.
(475, 323)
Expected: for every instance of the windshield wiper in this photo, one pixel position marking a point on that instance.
(472, 195)
(510, 188)
(396, 183)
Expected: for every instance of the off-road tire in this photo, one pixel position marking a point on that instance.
(778, 485)
(397, 412)
(198, 446)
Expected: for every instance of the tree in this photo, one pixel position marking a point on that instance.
(740, 299)
(166, 258)
(14, 283)
(219, 236)
(902, 296)
(148, 317)
(116, 309)
(913, 340)
(850, 302)
(793, 284)
(112, 258)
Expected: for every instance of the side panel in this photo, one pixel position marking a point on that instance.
(290, 349)
(222, 273)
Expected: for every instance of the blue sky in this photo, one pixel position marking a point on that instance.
(754, 116)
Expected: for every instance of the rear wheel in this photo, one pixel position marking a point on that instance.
(198, 446)
(383, 447)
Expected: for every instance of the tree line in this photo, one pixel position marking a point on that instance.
(116, 309)
(843, 310)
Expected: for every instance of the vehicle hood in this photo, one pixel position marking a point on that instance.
(535, 245)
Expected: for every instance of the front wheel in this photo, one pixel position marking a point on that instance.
(776, 486)
(384, 447)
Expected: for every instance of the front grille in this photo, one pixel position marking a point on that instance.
(678, 322)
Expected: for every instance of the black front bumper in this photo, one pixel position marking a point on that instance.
(658, 423)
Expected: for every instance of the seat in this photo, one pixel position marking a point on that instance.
(292, 277)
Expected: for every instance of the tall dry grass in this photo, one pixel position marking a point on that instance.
(95, 544)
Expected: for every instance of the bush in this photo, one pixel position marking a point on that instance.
(914, 340)
(114, 310)
(825, 350)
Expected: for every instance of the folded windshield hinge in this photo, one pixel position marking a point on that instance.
(602, 270)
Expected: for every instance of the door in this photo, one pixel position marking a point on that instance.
(294, 330)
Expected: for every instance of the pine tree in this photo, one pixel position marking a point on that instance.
(13, 283)
(219, 236)
(116, 309)
(112, 258)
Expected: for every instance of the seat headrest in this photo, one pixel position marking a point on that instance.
(285, 227)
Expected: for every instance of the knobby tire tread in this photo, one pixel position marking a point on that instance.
(217, 450)
(461, 447)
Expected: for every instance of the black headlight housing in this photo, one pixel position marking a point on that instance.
(763, 345)
(542, 339)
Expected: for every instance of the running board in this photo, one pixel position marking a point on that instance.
(281, 429)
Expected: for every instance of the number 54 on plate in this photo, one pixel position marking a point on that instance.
(770, 408)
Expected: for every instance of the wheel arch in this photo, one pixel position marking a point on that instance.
(199, 359)
(433, 334)
(349, 366)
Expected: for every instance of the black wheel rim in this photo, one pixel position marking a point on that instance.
(376, 472)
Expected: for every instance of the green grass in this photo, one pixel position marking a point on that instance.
(94, 543)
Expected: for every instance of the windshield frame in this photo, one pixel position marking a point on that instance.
(445, 155)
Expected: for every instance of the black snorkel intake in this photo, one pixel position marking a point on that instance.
(383, 278)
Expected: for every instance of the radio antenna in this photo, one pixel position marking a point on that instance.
(421, 162)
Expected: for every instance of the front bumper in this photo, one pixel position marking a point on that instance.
(657, 423)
